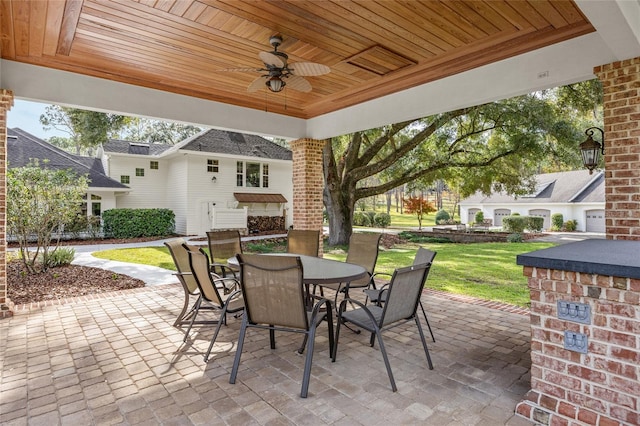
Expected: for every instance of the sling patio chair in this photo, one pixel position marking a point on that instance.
(363, 251)
(185, 277)
(305, 242)
(401, 304)
(208, 284)
(275, 300)
(378, 296)
(222, 246)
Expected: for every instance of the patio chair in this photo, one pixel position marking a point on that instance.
(378, 296)
(305, 242)
(222, 246)
(274, 297)
(403, 295)
(208, 284)
(363, 251)
(181, 260)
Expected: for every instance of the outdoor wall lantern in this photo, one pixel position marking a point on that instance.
(213, 179)
(591, 149)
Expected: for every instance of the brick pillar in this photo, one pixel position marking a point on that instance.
(308, 183)
(602, 386)
(6, 101)
(621, 84)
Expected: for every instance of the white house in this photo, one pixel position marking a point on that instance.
(211, 180)
(577, 195)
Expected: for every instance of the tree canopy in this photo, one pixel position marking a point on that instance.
(498, 146)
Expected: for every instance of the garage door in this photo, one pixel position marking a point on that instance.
(595, 221)
(498, 214)
(471, 218)
(546, 214)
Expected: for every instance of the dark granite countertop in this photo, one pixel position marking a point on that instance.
(618, 258)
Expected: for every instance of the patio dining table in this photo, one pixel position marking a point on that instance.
(318, 271)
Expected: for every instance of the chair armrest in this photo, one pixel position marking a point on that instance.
(227, 283)
(224, 268)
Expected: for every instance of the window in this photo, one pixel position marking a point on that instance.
(212, 166)
(124, 179)
(252, 175)
(153, 165)
(252, 179)
(265, 175)
(139, 172)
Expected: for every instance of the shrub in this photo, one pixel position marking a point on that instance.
(372, 216)
(442, 215)
(361, 219)
(570, 225)
(133, 223)
(514, 238)
(479, 217)
(382, 220)
(535, 223)
(514, 224)
(60, 257)
(557, 220)
(515, 214)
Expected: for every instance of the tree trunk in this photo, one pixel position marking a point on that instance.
(339, 214)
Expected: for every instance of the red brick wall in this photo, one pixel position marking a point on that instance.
(621, 84)
(6, 101)
(601, 387)
(308, 184)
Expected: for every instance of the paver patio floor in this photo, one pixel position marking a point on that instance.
(116, 359)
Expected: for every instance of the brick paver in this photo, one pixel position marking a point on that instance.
(117, 359)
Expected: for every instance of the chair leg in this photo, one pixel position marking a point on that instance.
(223, 314)
(334, 352)
(193, 318)
(236, 360)
(424, 343)
(427, 321)
(386, 359)
(308, 361)
(272, 337)
(181, 315)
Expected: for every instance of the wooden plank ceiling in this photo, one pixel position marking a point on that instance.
(373, 47)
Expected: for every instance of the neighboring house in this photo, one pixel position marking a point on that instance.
(23, 148)
(207, 180)
(577, 195)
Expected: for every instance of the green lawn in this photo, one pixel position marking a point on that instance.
(485, 270)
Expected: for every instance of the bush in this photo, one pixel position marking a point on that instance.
(442, 215)
(570, 225)
(81, 223)
(515, 214)
(479, 217)
(134, 223)
(557, 220)
(514, 238)
(535, 223)
(514, 224)
(382, 220)
(372, 216)
(361, 219)
(60, 257)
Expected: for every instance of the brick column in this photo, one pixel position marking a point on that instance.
(6, 101)
(602, 386)
(308, 184)
(621, 84)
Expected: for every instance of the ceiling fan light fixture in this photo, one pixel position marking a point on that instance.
(275, 84)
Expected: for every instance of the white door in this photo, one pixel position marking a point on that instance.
(595, 221)
(546, 214)
(498, 214)
(471, 217)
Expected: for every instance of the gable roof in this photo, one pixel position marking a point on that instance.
(561, 187)
(22, 147)
(233, 143)
(136, 148)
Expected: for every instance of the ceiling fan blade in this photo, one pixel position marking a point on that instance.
(298, 83)
(271, 59)
(309, 68)
(241, 70)
(256, 84)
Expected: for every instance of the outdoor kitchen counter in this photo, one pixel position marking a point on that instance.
(618, 258)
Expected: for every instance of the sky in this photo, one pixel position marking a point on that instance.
(26, 116)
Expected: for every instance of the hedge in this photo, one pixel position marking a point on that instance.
(133, 223)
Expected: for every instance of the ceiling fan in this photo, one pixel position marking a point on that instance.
(278, 73)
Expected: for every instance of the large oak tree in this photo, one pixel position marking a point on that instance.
(496, 146)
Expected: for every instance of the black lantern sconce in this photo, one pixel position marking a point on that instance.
(591, 149)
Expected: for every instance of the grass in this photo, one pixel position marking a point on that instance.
(484, 270)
